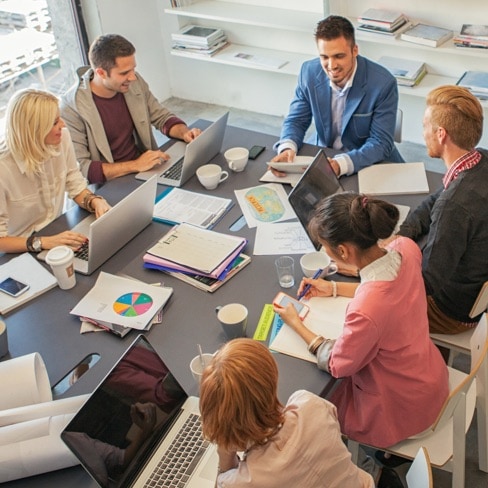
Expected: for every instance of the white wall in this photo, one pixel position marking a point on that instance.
(146, 24)
(140, 22)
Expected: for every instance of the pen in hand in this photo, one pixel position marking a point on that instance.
(307, 287)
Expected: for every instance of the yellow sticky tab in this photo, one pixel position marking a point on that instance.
(264, 324)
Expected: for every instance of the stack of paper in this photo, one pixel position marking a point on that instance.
(380, 21)
(428, 35)
(406, 72)
(472, 35)
(476, 82)
(195, 251)
(199, 40)
(125, 302)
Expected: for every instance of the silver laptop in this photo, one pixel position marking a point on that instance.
(139, 426)
(318, 181)
(110, 232)
(186, 158)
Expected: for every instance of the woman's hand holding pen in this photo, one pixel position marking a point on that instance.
(318, 288)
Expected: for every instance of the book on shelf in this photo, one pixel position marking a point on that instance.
(378, 30)
(475, 31)
(476, 82)
(200, 51)
(30, 271)
(406, 72)
(427, 35)
(472, 35)
(265, 62)
(197, 35)
(384, 19)
(209, 284)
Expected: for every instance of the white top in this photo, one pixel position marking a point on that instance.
(307, 451)
(30, 202)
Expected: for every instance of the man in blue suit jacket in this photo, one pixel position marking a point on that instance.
(352, 101)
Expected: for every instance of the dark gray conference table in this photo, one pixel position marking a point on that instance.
(45, 325)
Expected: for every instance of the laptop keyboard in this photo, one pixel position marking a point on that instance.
(82, 252)
(177, 465)
(174, 172)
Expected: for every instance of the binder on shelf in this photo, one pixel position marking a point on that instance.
(476, 82)
(427, 35)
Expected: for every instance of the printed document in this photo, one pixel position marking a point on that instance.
(282, 238)
(264, 204)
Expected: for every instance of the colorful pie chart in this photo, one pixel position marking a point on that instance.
(132, 304)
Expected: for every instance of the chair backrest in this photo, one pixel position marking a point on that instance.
(419, 474)
(481, 302)
(479, 350)
(397, 137)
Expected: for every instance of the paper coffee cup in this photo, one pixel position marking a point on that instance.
(198, 364)
(60, 258)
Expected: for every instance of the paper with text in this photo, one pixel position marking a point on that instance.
(282, 238)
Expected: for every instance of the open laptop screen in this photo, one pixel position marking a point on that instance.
(318, 181)
(118, 427)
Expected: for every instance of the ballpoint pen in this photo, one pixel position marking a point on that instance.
(307, 287)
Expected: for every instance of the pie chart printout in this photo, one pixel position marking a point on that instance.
(132, 304)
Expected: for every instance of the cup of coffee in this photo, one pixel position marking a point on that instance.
(198, 364)
(237, 158)
(233, 319)
(210, 175)
(313, 261)
(60, 258)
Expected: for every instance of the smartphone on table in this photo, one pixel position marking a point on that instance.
(282, 299)
(13, 287)
(255, 151)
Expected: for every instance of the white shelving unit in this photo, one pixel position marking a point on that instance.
(283, 29)
(241, 21)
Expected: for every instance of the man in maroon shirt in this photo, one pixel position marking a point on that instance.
(110, 113)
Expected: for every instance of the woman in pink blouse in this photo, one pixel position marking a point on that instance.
(294, 445)
(394, 380)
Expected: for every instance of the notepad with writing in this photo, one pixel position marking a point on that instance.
(393, 179)
(326, 317)
(196, 248)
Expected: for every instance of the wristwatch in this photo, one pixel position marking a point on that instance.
(37, 244)
(34, 244)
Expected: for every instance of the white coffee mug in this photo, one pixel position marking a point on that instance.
(237, 158)
(313, 261)
(233, 319)
(210, 175)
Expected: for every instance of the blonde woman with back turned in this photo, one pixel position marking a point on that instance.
(38, 166)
